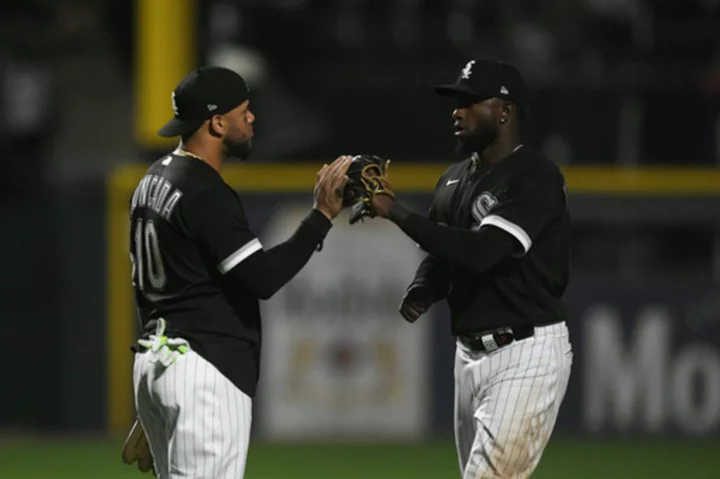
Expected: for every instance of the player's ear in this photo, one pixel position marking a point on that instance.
(217, 125)
(507, 111)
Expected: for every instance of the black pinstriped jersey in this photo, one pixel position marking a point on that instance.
(188, 228)
(524, 195)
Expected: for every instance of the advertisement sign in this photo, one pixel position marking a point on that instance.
(662, 373)
(338, 359)
(647, 359)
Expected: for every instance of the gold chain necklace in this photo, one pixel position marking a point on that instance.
(181, 152)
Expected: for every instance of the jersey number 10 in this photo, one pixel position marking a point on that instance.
(146, 259)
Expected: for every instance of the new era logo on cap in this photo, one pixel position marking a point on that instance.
(504, 90)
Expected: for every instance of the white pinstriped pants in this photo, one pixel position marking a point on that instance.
(507, 402)
(197, 421)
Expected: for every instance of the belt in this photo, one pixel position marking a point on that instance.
(493, 339)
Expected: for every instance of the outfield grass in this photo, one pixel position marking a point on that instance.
(563, 460)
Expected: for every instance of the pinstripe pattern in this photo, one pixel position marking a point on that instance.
(507, 401)
(196, 420)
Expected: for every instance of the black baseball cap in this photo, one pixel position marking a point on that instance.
(204, 92)
(483, 79)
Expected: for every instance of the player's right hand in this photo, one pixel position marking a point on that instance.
(416, 302)
(330, 185)
(137, 449)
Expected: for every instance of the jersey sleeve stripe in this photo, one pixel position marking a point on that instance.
(509, 227)
(240, 255)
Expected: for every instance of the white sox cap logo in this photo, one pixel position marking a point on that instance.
(174, 104)
(467, 71)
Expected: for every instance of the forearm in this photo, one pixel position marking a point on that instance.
(434, 275)
(265, 272)
(477, 251)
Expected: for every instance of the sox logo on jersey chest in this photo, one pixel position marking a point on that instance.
(481, 208)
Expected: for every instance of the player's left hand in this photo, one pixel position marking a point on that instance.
(381, 205)
(137, 449)
(367, 180)
(329, 186)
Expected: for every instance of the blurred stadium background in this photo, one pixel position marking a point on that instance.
(626, 99)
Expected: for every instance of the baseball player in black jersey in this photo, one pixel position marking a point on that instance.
(497, 241)
(198, 272)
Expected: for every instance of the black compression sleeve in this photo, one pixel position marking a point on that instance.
(265, 272)
(433, 274)
(215, 218)
(477, 251)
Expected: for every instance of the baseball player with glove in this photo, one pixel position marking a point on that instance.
(498, 246)
(198, 274)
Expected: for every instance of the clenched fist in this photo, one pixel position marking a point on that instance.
(416, 302)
